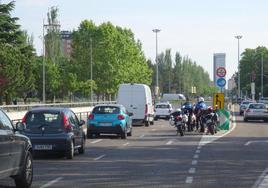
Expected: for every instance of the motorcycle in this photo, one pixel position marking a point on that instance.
(179, 122)
(211, 123)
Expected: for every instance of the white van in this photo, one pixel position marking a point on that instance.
(137, 98)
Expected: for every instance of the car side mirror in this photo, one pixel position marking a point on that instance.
(81, 122)
(130, 114)
(20, 126)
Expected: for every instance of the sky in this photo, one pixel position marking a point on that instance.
(194, 28)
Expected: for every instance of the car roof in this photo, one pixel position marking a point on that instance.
(51, 109)
(113, 105)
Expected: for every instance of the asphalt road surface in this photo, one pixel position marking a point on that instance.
(156, 157)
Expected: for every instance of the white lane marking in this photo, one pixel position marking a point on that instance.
(96, 141)
(256, 141)
(194, 162)
(206, 139)
(153, 129)
(189, 179)
(199, 147)
(141, 136)
(100, 157)
(262, 181)
(169, 142)
(48, 184)
(197, 151)
(196, 156)
(191, 170)
(125, 144)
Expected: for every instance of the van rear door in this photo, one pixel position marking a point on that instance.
(138, 102)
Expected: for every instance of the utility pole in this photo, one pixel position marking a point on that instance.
(91, 71)
(261, 74)
(238, 37)
(156, 61)
(44, 75)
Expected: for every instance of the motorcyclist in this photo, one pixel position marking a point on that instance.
(177, 116)
(199, 111)
(188, 109)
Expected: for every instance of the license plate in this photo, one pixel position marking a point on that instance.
(105, 124)
(43, 147)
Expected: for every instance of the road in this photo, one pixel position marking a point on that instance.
(155, 157)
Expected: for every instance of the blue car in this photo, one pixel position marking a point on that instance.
(109, 119)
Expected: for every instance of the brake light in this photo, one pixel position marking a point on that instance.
(91, 116)
(120, 117)
(66, 123)
(146, 108)
(24, 119)
(248, 110)
(179, 118)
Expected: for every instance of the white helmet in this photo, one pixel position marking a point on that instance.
(201, 99)
(178, 110)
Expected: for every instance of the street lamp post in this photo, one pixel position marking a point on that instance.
(156, 61)
(91, 71)
(238, 37)
(261, 74)
(44, 79)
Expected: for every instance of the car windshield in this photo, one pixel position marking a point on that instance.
(106, 110)
(37, 119)
(257, 106)
(162, 106)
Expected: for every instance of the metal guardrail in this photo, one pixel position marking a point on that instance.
(17, 108)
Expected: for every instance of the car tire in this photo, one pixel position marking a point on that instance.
(124, 134)
(89, 135)
(130, 132)
(245, 119)
(146, 123)
(152, 122)
(70, 150)
(25, 178)
(81, 150)
(155, 118)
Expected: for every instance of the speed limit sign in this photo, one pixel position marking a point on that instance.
(221, 71)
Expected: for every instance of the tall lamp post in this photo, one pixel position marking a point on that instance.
(156, 61)
(261, 74)
(238, 37)
(91, 71)
(44, 79)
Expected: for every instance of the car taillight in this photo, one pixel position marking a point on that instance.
(120, 117)
(146, 108)
(66, 123)
(179, 118)
(91, 116)
(23, 119)
(248, 110)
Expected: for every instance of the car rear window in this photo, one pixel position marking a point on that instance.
(106, 110)
(162, 106)
(257, 106)
(37, 119)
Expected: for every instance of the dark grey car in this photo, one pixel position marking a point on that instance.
(54, 129)
(15, 154)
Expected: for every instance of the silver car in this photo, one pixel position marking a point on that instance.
(256, 111)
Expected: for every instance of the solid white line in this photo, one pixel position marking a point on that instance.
(197, 151)
(262, 181)
(189, 179)
(98, 158)
(96, 141)
(256, 141)
(169, 142)
(51, 182)
(194, 162)
(191, 170)
(125, 144)
(196, 156)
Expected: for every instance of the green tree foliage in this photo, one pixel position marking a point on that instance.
(179, 77)
(250, 70)
(16, 59)
(117, 56)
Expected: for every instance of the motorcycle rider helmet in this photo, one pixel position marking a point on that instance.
(201, 99)
(178, 110)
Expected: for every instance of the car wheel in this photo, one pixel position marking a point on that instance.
(89, 135)
(245, 119)
(155, 118)
(70, 150)
(82, 148)
(146, 123)
(130, 132)
(124, 134)
(25, 178)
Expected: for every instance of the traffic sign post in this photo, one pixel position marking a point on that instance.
(218, 99)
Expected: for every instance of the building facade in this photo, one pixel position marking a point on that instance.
(66, 43)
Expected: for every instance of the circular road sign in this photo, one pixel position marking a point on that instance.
(221, 71)
(221, 82)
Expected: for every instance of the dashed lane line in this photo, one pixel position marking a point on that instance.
(50, 183)
(169, 142)
(196, 156)
(262, 181)
(192, 170)
(125, 144)
(100, 157)
(96, 141)
(189, 179)
(141, 136)
(194, 162)
(197, 151)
